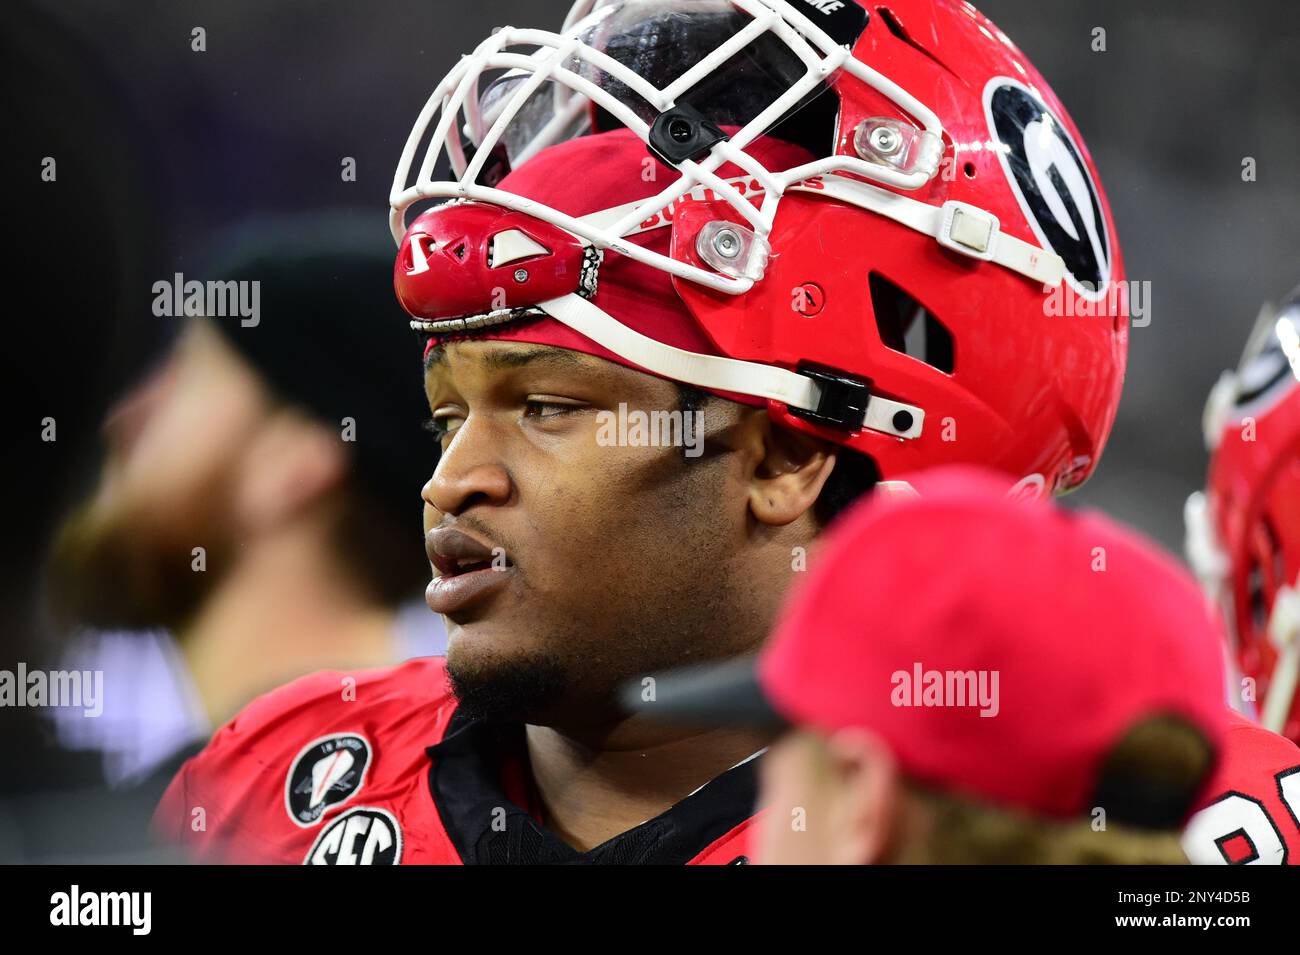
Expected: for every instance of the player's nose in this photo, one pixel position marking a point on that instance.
(468, 473)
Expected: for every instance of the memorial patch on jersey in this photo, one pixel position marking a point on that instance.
(326, 772)
(360, 836)
(1051, 182)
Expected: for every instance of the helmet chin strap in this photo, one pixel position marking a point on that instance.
(718, 373)
(1206, 557)
(1284, 631)
(958, 226)
(1210, 565)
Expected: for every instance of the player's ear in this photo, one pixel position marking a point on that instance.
(290, 464)
(789, 471)
(867, 796)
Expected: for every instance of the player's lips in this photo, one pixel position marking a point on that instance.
(454, 552)
(465, 569)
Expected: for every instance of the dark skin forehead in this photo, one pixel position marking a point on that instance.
(510, 355)
(475, 362)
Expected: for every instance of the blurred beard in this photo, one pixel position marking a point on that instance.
(110, 572)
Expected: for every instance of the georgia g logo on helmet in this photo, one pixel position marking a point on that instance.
(1051, 182)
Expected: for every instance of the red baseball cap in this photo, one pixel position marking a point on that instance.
(1001, 647)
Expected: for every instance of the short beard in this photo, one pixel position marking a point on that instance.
(103, 574)
(508, 690)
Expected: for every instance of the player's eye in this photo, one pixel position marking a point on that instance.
(443, 425)
(550, 407)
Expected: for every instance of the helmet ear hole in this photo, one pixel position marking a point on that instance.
(1258, 601)
(907, 326)
(852, 477)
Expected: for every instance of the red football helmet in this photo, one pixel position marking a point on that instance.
(877, 220)
(1243, 532)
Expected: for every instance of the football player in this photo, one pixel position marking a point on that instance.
(1243, 539)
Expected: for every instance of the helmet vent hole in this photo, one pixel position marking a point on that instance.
(890, 19)
(1257, 598)
(907, 326)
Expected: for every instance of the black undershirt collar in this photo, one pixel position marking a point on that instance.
(464, 779)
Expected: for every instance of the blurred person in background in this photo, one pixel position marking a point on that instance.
(82, 155)
(257, 515)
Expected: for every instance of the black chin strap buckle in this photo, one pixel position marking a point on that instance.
(843, 402)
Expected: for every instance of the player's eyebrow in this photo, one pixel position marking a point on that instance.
(510, 358)
(434, 356)
(501, 358)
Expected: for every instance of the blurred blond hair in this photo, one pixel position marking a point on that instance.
(941, 828)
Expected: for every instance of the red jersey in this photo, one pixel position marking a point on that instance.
(1253, 815)
(379, 768)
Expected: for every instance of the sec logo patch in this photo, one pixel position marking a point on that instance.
(360, 836)
(326, 772)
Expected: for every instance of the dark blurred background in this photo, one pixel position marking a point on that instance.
(159, 147)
